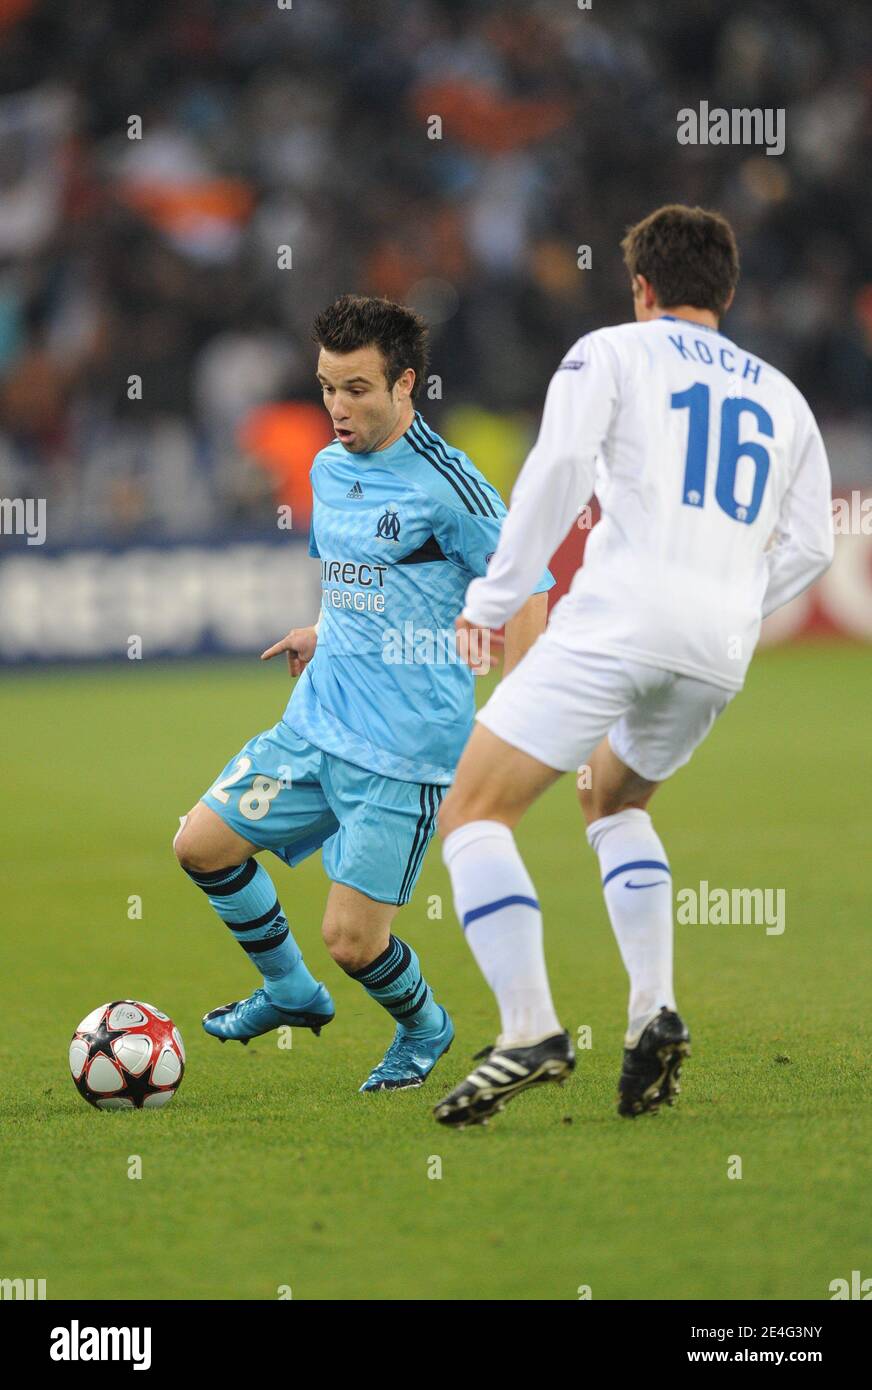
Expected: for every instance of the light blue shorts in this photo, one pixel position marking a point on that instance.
(284, 794)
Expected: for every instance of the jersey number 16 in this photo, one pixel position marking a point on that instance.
(696, 400)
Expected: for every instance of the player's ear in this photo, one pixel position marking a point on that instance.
(405, 381)
(644, 297)
(643, 292)
(730, 298)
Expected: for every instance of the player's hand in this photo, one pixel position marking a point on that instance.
(299, 644)
(473, 645)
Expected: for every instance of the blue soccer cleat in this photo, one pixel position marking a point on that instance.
(249, 1018)
(410, 1058)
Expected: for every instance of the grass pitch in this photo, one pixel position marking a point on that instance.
(269, 1171)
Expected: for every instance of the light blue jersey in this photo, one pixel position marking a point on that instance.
(400, 534)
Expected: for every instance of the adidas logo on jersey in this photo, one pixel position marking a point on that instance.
(355, 491)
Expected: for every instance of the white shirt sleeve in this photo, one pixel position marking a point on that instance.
(556, 481)
(803, 538)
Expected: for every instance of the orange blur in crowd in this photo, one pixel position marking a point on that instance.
(284, 438)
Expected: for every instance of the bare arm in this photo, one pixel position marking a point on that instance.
(523, 629)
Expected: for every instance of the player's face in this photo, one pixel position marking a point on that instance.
(366, 415)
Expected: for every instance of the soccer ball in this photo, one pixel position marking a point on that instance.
(127, 1056)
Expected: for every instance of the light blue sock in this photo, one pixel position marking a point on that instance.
(244, 897)
(394, 980)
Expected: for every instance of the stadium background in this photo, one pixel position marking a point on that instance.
(157, 257)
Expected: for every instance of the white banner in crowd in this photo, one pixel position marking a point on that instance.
(181, 599)
(86, 604)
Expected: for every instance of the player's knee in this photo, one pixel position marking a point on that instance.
(191, 851)
(591, 804)
(185, 850)
(347, 947)
(452, 813)
(460, 808)
(597, 806)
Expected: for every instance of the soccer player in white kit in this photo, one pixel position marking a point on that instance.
(715, 494)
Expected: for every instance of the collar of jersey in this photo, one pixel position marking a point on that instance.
(692, 323)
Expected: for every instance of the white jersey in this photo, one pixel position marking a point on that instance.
(715, 494)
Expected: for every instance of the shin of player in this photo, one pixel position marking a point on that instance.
(243, 894)
(357, 933)
(636, 882)
(498, 907)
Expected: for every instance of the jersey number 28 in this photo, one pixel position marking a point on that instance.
(255, 803)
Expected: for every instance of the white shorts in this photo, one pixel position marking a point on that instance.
(558, 704)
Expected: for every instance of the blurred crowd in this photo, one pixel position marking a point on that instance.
(183, 183)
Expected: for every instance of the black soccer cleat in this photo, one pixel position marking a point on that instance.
(506, 1072)
(649, 1076)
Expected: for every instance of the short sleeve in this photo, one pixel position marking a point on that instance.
(313, 544)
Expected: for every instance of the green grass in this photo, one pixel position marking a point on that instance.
(269, 1169)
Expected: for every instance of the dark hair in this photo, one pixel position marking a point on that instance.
(356, 321)
(688, 255)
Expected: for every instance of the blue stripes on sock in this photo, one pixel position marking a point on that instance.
(222, 883)
(487, 908)
(244, 897)
(636, 864)
(385, 969)
(394, 980)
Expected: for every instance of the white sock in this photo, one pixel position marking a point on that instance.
(496, 902)
(631, 858)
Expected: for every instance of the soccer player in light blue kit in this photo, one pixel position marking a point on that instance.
(359, 762)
